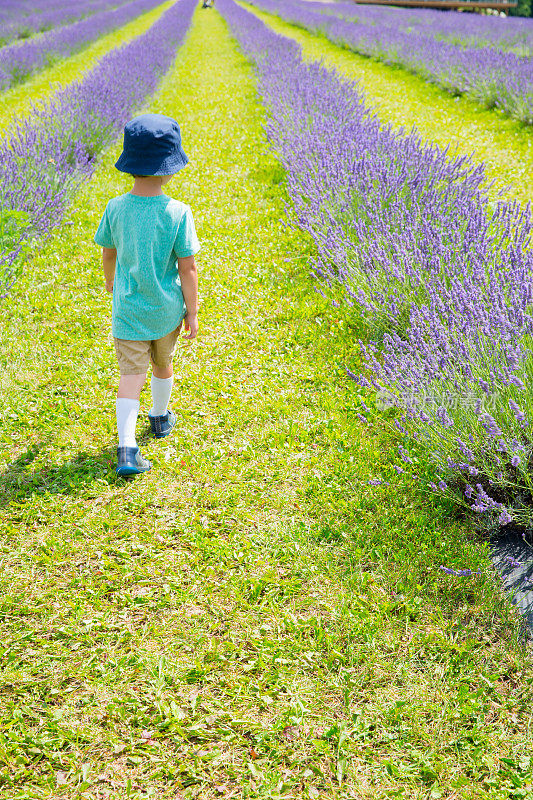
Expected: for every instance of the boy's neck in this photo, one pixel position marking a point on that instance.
(147, 187)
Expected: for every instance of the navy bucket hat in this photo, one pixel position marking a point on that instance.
(152, 146)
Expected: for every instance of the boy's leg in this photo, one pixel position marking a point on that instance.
(161, 384)
(129, 392)
(162, 352)
(131, 385)
(133, 358)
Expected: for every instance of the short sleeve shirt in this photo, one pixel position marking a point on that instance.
(149, 234)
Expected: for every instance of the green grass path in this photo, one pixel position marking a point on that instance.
(17, 101)
(251, 619)
(405, 100)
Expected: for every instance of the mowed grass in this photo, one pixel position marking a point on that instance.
(17, 101)
(405, 100)
(250, 619)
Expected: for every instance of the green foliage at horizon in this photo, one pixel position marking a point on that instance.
(523, 8)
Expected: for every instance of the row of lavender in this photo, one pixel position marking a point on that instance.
(21, 59)
(22, 21)
(443, 278)
(513, 34)
(15, 9)
(492, 78)
(46, 157)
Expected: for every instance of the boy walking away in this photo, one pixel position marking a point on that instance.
(149, 243)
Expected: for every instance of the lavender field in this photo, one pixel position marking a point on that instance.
(512, 34)
(21, 20)
(298, 599)
(490, 74)
(19, 60)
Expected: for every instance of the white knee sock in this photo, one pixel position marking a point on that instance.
(161, 391)
(127, 411)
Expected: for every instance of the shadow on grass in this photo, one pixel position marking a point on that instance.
(513, 558)
(20, 481)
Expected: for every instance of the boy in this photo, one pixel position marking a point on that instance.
(143, 234)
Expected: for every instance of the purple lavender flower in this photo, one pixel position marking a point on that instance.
(459, 573)
(444, 418)
(404, 455)
(513, 562)
(491, 426)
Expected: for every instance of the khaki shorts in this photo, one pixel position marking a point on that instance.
(135, 356)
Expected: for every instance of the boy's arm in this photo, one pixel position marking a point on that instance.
(189, 286)
(109, 261)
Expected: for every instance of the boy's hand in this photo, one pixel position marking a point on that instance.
(190, 323)
(109, 286)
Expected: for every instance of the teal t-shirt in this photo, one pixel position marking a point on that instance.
(149, 234)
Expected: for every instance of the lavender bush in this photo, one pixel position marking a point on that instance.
(512, 34)
(46, 156)
(19, 60)
(492, 78)
(26, 20)
(443, 276)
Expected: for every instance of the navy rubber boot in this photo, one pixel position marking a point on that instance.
(162, 426)
(131, 462)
